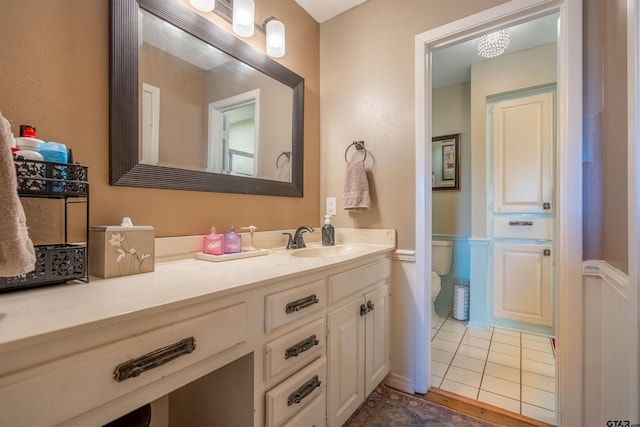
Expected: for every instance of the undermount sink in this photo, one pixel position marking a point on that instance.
(325, 251)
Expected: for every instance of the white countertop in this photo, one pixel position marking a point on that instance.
(27, 315)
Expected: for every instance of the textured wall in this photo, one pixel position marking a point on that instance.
(368, 93)
(54, 63)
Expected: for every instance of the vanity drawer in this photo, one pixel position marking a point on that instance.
(294, 350)
(295, 393)
(344, 284)
(523, 228)
(75, 384)
(292, 304)
(312, 415)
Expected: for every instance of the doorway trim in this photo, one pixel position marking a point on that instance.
(633, 107)
(569, 176)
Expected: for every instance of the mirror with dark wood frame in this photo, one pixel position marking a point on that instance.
(128, 166)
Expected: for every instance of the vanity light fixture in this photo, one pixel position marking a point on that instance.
(494, 44)
(203, 5)
(275, 37)
(243, 17)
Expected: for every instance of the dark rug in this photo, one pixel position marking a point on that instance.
(387, 407)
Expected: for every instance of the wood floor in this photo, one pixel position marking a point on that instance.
(480, 410)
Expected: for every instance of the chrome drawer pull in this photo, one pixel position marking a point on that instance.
(520, 222)
(159, 357)
(363, 310)
(301, 303)
(301, 347)
(303, 391)
(370, 306)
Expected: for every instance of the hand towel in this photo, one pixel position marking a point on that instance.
(356, 188)
(17, 255)
(283, 173)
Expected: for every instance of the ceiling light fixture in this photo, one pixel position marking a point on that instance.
(494, 44)
(203, 5)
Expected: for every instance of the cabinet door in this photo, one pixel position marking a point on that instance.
(377, 338)
(523, 154)
(522, 282)
(346, 357)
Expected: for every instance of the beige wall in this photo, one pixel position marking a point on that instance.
(451, 115)
(517, 71)
(614, 134)
(367, 93)
(54, 60)
(181, 143)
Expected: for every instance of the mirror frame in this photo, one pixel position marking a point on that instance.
(456, 144)
(124, 166)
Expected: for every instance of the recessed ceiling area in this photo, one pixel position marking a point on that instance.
(323, 10)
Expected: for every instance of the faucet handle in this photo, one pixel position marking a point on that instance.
(290, 241)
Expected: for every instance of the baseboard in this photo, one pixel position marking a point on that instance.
(400, 383)
(482, 410)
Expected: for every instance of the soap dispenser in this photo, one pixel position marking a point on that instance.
(328, 236)
(232, 242)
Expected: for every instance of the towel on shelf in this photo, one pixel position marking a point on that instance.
(356, 188)
(17, 255)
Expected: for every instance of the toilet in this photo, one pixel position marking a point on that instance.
(441, 251)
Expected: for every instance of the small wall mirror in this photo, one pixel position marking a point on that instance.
(446, 162)
(194, 108)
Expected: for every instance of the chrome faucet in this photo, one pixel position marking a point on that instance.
(297, 242)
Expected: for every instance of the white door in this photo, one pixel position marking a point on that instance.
(377, 364)
(346, 357)
(522, 289)
(523, 154)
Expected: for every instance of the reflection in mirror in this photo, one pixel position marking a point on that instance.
(209, 105)
(203, 111)
(446, 163)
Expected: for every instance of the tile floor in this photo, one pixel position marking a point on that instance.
(509, 369)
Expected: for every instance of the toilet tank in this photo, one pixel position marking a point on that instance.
(441, 251)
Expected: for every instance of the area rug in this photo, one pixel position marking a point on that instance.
(387, 407)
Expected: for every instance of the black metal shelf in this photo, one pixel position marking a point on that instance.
(62, 261)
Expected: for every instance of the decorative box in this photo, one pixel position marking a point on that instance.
(121, 251)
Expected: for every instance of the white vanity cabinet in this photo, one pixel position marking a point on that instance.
(130, 364)
(294, 354)
(257, 342)
(358, 342)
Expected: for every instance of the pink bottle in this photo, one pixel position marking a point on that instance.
(213, 244)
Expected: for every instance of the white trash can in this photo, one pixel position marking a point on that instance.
(461, 299)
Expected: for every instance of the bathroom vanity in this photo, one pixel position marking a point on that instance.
(295, 335)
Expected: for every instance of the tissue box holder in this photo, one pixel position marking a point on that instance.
(121, 251)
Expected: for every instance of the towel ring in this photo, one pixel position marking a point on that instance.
(359, 146)
(287, 154)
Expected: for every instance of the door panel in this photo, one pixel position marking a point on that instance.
(522, 282)
(522, 154)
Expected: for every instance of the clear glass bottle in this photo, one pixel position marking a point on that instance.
(232, 242)
(213, 244)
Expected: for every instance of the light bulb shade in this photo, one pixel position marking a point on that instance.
(494, 44)
(243, 20)
(203, 5)
(275, 38)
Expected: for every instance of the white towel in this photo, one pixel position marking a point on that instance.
(283, 173)
(17, 255)
(356, 188)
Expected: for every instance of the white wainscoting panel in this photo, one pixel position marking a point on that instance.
(607, 353)
(403, 315)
